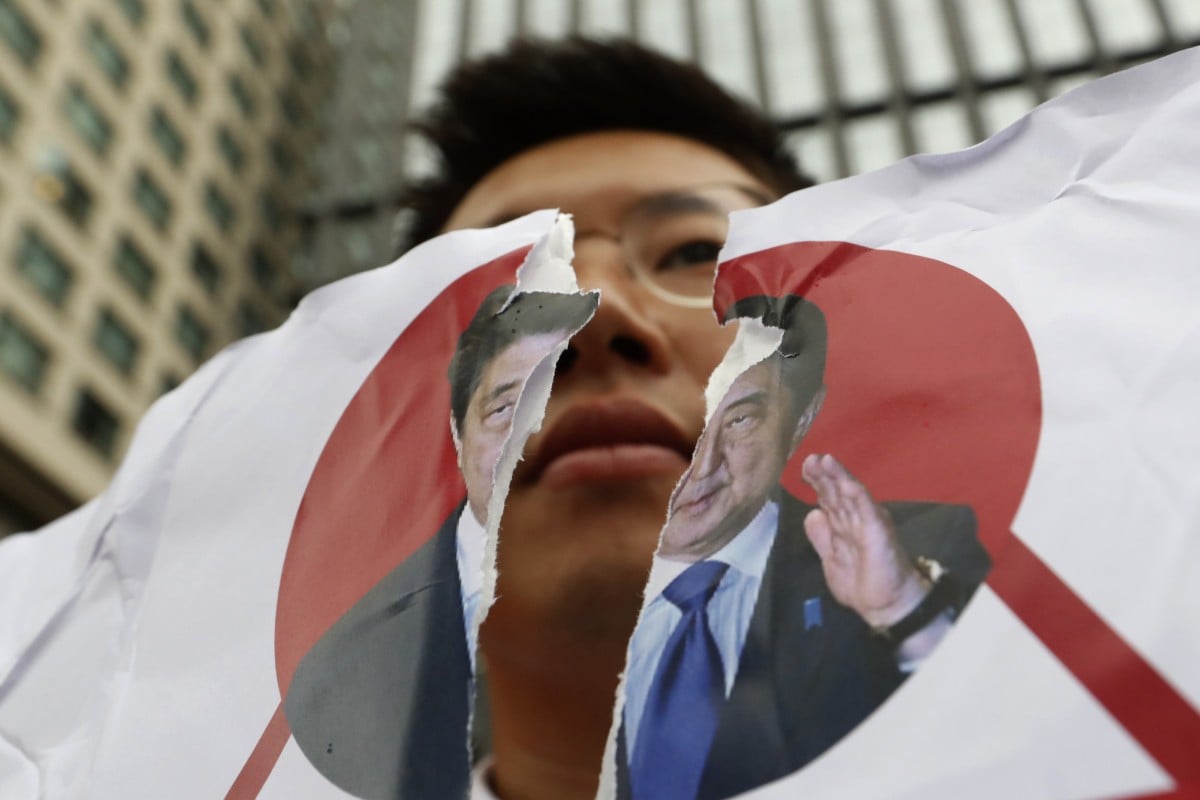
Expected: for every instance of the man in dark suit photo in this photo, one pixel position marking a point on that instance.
(773, 627)
(380, 704)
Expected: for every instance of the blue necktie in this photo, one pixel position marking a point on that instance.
(685, 696)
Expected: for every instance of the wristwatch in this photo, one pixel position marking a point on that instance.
(944, 597)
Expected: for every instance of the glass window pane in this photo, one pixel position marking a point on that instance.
(87, 119)
(152, 200)
(292, 108)
(928, 61)
(22, 357)
(1055, 29)
(57, 183)
(250, 320)
(941, 128)
(181, 77)
(194, 22)
(262, 268)
(874, 142)
(191, 333)
(991, 40)
(168, 137)
(134, 10)
(206, 269)
(242, 96)
(218, 206)
(793, 68)
(232, 152)
(17, 30)
(107, 54)
(860, 57)
(10, 115)
(135, 268)
(1125, 26)
(43, 267)
(95, 423)
(253, 45)
(112, 338)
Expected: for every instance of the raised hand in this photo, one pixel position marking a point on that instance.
(865, 567)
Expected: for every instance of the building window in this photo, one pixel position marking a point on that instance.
(253, 46)
(234, 156)
(87, 119)
(307, 21)
(272, 211)
(292, 108)
(301, 65)
(22, 357)
(282, 156)
(19, 32)
(151, 199)
(135, 268)
(182, 77)
(106, 53)
(206, 269)
(250, 320)
(218, 206)
(57, 183)
(169, 139)
(115, 341)
(94, 423)
(10, 115)
(242, 96)
(195, 23)
(134, 10)
(191, 333)
(262, 268)
(42, 266)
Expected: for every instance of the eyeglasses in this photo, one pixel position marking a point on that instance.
(671, 240)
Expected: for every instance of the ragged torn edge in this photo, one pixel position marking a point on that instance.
(754, 343)
(547, 269)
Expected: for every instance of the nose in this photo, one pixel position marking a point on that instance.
(625, 332)
(707, 458)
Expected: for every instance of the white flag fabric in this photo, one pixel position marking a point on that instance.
(147, 637)
(1014, 326)
(1011, 328)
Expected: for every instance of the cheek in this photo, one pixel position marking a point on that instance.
(700, 342)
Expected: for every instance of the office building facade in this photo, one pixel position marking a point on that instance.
(148, 153)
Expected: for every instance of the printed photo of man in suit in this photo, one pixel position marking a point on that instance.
(380, 705)
(772, 628)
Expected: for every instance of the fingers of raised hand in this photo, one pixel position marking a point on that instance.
(816, 526)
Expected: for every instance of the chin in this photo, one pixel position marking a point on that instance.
(575, 563)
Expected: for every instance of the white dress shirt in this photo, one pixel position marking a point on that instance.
(729, 612)
(468, 547)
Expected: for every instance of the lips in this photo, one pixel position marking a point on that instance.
(610, 439)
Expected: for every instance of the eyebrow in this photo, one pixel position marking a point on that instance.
(758, 397)
(675, 202)
(501, 389)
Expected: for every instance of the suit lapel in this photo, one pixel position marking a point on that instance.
(779, 665)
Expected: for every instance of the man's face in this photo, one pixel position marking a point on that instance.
(737, 463)
(586, 506)
(489, 416)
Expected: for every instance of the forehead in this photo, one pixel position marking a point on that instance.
(762, 379)
(595, 174)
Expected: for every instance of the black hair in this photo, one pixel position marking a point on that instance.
(538, 91)
(801, 353)
(492, 330)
